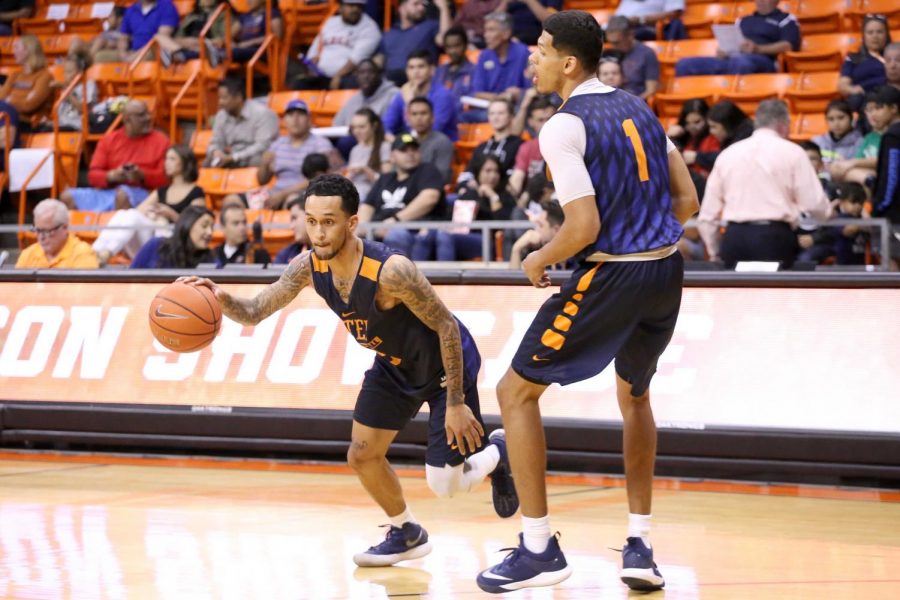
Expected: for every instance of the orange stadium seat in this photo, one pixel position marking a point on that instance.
(681, 89)
(276, 239)
(69, 147)
(212, 182)
(588, 5)
(749, 90)
(678, 49)
(820, 16)
(184, 7)
(278, 101)
(807, 126)
(861, 8)
(821, 52)
(328, 107)
(302, 21)
(812, 91)
(698, 19)
(200, 140)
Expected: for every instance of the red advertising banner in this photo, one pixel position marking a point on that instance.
(782, 358)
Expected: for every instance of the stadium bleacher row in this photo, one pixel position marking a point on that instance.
(187, 92)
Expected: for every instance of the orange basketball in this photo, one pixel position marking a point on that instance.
(185, 318)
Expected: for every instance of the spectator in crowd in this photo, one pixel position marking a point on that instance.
(529, 161)
(413, 192)
(527, 16)
(886, 194)
(728, 124)
(892, 64)
(692, 137)
(187, 38)
(237, 247)
(643, 15)
(610, 71)
(640, 67)
(69, 113)
(56, 248)
(162, 207)
(862, 165)
(864, 71)
(488, 202)
(146, 20)
(847, 243)
(546, 225)
(410, 32)
(502, 144)
(371, 156)
(242, 129)
(187, 247)
(470, 20)
(760, 186)
(284, 158)
(814, 154)
(29, 91)
(249, 29)
(126, 164)
(10, 10)
(420, 82)
(500, 72)
(435, 147)
(298, 225)
(10, 122)
(456, 74)
(345, 40)
(375, 93)
(842, 140)
(104, 48)
(768, 32)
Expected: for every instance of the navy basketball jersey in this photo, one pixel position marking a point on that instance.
(628, 162)
(408, 351)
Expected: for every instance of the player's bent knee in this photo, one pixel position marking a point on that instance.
(360, 454)
(514, 391)
(444, 481)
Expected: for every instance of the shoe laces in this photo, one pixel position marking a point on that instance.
(390, 533)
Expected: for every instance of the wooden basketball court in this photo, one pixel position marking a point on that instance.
(112, 527)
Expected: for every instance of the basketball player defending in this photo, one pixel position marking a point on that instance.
(625, 192)
(423, 354)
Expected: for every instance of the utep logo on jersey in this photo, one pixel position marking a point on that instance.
(358, 329)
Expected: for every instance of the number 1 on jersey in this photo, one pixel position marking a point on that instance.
(639, 154)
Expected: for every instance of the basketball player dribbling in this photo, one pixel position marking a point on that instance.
(423, 354)
(625, 192)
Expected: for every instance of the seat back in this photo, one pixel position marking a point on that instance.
(278, 101)
(806, 126)
(812, 91)
(200, 140)
(681, 89)
(749, 90)
(331, 103)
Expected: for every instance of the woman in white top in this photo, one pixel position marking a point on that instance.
(365, 166)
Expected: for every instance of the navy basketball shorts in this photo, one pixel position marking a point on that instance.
(622, 311)
(382, 404)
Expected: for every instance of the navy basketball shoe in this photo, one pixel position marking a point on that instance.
(400, 543)
(639, 572)
(524, 569)
(503, 489)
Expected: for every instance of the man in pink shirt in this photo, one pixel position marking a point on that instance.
(529, 161)
(759, 187)
(126, 165)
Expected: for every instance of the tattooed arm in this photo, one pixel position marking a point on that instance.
(250, 311)
(401, 279)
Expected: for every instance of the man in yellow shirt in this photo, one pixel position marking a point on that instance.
(56, 248)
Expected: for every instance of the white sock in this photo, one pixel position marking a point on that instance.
(405, 517)
(536, 533)
(480, 465)
(639, 526)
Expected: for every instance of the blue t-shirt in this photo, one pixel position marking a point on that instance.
(142, 27)
(492, 75)
(459, 82)
(397, 44)
(525, 25)
(148, 256)
(864, 70)
(777, 26)
(639, 66)
(444, 110)
(253, 24)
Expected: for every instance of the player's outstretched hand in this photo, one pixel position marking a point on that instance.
(535, 271)
(463, 429)
(202, 281)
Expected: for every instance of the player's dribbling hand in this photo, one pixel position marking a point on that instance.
(535, 271)
(202, 281)
(463, 429)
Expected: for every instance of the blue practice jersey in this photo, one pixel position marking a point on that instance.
(408, 350)
(627, 159)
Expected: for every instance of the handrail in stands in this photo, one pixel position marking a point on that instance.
(82, 79)
(23, 193)
(173, 116)
(209, 23)
(141, 55)
(269, 46)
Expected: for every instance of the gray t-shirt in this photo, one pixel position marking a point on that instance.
(378, 102)
(438, 150)
(639, 66)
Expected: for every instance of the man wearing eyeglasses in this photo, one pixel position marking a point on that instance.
(56, 248)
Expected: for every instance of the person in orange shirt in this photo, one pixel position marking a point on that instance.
(30, 90)
(56, 248)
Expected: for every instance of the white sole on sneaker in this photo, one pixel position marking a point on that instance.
(541, 580)
(642, 579)
(364, 559)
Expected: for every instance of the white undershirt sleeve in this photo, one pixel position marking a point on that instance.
(563, 142)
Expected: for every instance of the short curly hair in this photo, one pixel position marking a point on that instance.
(335, 185)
